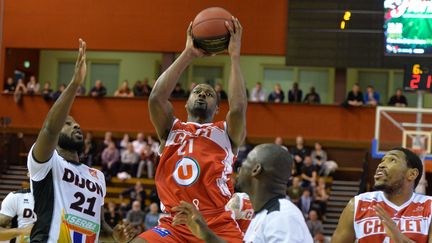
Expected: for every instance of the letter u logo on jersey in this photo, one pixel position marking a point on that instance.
(186, 172)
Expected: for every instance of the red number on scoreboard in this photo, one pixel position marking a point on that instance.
(414, 82)
(428, 85)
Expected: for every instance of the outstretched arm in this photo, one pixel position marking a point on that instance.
(161, 111)
(344, 232)
(49, 134)
(236, 117)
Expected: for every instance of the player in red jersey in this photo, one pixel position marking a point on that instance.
(197, 155)
(393, 213)
(241, 205)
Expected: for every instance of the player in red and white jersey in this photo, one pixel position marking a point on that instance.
(241, 205)
(197, 155)
(393, 213)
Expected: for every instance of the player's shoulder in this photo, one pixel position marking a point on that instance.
(22, 191)
(370, 196)
(420, 198)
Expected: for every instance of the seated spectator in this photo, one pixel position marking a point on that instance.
(321, 196)
(277, 96)
(107, 139)
(314, 224)
(147, 159)
(312, 97)
(33, 86)
(220, 92)
(398, 99)
(319, 158)
(135, 193)
(154, 198)
(138, 89)
(305, 202)
(355, 97)
(9, 87)
(258, 94)
(299, 152)
(154, 145)
(47, 91)
(98, 90)
(146, 88)
(20, 90)
(81, 90)
(60, 90)
(124, 90)
(295, 94)
(135, 217)
(129, 161)
(191, 87)
(371, 97)
(279, 141)
(243, 151)
(178, 92)
(90, 150)
(308, 173)
(110, 161)
(152, 217)
(139, 143)
(124, 143)
(112, 217)
(295, 191)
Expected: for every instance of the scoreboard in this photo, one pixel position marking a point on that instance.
(418, 77)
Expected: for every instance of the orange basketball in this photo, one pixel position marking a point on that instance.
(209, 31)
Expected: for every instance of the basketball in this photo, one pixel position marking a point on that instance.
(209, 31)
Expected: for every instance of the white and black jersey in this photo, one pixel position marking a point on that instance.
(279, 221)
(68, 198)
(20, 204)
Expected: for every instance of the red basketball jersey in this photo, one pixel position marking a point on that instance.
(195, 166)
(413, 217)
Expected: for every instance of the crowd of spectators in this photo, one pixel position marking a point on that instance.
(372, 98)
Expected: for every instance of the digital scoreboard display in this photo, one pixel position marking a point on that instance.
(408, 27)
(418, 77)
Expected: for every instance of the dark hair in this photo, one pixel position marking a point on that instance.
(413, 161)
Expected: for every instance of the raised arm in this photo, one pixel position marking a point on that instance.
(49, 134)
(161, 111)
(344, 232)
(236, 117)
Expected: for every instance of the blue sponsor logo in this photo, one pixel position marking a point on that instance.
(161, 231)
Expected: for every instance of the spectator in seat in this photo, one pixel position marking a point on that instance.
(305, 202)
(314, 224)
(112, 217)
(135, 193)
(124, 143)
(398, 99)
(60, 90)
(129, 161)
(312, 97)
(277, 96)
(178, 92)
(138, 89)
(110, 161)
(355, 97)
(152, 217)
(124, 90)
(90, 150)
(136, 216)
(191, 87)
(9, 87)
(295, 94)
(47, 91)
(258, 94)
(98, 90)
(81, 90)
(321, 196)
(107, 140)
(153, 196)
(146, 88)
(371, 97)
(33, 86)
(154, 145)
(295, 191)
(319, 158)
(279, 141)
(220, 92)
(147, 159)
(308, 173)
(299, 152)
(139, 143)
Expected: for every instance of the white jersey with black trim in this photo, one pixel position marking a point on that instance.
(68, 200)
(279, 221)
(20, 204)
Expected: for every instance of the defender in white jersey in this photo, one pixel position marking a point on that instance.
(17, 204)
(393, 213)
(69, 196)
(263, 176)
